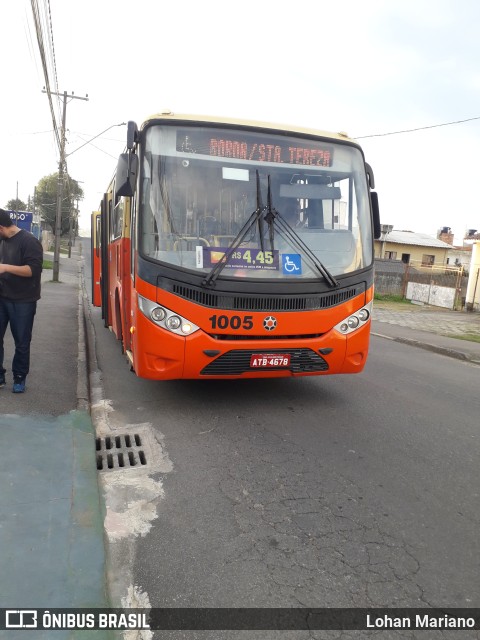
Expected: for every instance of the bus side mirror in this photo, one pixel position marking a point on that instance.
(377, 230)
(126, 176)
(370, 176)
(132, 134)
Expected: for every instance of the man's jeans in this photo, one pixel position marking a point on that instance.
(20, 315)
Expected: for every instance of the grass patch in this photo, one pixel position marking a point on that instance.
(47, 264)
(381, 297)
(471, 337)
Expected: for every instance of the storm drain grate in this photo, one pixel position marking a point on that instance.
(120, 452)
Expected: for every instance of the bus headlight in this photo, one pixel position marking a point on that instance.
(354, 321)
(165, 318)
(173, 322)
(158, 314)
(363, 314)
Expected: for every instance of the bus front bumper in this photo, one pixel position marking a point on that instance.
(200, 356)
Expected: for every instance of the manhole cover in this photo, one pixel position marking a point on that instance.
(120, 452)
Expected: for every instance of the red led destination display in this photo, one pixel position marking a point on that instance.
(254, 147)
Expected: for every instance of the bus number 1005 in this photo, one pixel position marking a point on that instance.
(235, 322)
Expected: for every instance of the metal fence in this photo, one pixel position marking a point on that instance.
(443, 286)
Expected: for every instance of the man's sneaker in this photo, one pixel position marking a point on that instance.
(2, 380)
(18, 385)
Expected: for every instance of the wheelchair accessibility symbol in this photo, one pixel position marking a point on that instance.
(292, 263)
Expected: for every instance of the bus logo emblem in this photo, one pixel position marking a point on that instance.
(270, 323)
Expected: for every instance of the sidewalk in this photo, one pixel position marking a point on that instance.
(51, 521)
(428, 328)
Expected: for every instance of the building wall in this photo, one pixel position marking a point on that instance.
(460, 256)
(390, 277)
(416, 252)
(473, 287)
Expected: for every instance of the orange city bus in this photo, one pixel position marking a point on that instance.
(233, 249)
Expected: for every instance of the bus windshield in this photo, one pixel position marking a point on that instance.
(200, 187)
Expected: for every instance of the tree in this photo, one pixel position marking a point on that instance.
(46, 196)
(16, 205)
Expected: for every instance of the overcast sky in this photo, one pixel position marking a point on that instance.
(371, 67)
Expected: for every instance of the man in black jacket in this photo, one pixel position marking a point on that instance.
(21, 259)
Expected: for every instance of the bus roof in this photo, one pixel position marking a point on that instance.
(169, 115)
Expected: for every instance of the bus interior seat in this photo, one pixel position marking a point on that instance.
(189, 243)
(222, 241)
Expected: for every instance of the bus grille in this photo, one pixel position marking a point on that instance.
(267, 303)
(237, 362)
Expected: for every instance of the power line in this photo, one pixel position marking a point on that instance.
(29, 37)
(52, 46)
(98, 148)
(121, 124)
(432, 126)
(48, 31)
(43, 57)
(82, 133)
(32, 133)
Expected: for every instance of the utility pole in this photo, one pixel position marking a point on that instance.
(75, 220)
(70, 229)
(73, 223)
(61, 166)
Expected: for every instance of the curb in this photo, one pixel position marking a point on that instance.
(444, 351)
(88, 388)
(98, 410)
(83, 395)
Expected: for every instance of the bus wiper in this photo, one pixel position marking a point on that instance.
(260, 207)
(255, 217)
(289, 234)
(270, 217)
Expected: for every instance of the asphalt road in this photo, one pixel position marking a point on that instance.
(347, 491)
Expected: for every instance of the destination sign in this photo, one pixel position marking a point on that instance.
(254, 147)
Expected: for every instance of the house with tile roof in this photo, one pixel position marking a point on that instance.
(411, 247)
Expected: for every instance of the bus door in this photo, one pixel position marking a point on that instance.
(96, 259)
(119, 265)
(123, 212)
(104, 248)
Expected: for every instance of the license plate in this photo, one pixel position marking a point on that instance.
(260, 360)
